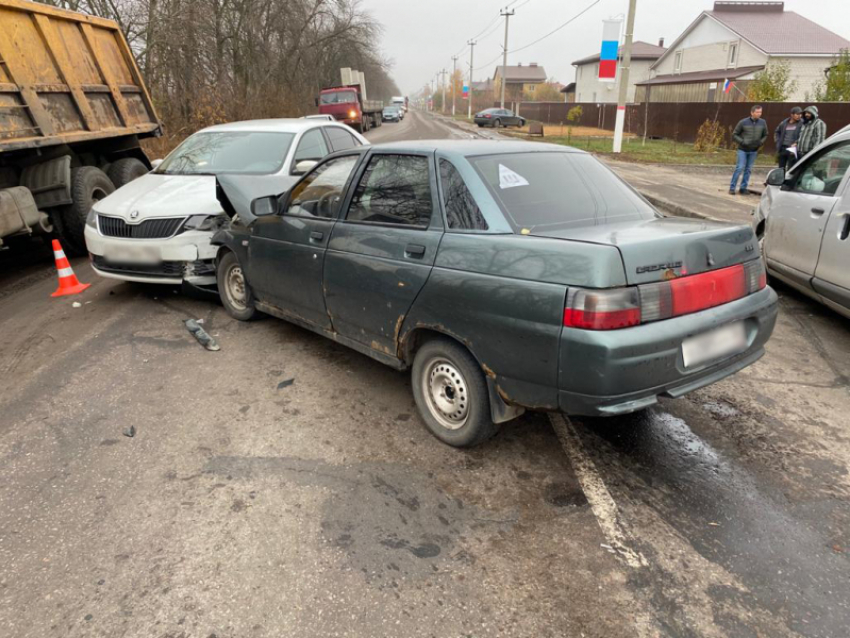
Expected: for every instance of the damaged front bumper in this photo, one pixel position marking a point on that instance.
(188, 257)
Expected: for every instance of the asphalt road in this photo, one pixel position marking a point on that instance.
(284, 486)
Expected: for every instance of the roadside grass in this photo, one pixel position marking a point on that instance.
(635, 150)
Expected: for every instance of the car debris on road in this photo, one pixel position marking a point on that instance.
(202, 336)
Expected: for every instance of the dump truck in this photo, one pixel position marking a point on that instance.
(348, 103)
(73, 108)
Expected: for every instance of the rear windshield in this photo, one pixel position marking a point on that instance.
(228, 152)
(338, 97)
(550, 191)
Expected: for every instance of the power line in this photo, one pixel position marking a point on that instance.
(555, 30)
(489, 24)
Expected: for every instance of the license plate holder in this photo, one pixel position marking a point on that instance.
(136, 255)
(714, 344)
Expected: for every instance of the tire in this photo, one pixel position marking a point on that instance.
(444, 375)
(521, 123)
(125, 170)
(497, 123)
(89, 185)
(233, 288)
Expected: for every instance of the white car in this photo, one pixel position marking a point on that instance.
(157, 228)
(803, 219)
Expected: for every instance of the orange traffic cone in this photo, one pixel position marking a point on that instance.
(68, 282)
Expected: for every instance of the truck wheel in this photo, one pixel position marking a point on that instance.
(451, 394)
(125, 170)
(233, 288)
(89, 185)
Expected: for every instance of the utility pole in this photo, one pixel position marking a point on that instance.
(624, 79)
(471, 44)
(443, 105)
(452, 80)
(507, 15)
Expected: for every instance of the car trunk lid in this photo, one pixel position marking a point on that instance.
(667, 247)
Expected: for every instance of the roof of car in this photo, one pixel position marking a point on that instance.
(477, 147)
(278, 125)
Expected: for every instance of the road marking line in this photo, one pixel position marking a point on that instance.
(601, 502)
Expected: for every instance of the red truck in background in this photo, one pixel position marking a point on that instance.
(347, 103)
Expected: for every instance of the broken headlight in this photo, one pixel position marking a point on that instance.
(204, 222)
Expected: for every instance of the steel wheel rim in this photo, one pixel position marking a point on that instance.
(446, 393)
(234, 285)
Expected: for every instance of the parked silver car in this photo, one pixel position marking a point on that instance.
(804, 221)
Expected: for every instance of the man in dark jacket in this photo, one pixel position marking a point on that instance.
(813, 131)
(749, 134)
(785, 137)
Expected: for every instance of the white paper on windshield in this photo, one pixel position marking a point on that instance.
(509, 179)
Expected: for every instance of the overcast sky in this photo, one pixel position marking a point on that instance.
(420, 37)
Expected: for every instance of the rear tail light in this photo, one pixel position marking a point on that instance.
(624, 307)
(602, 309)
(488, 116)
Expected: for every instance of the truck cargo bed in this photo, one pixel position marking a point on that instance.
(67, 77)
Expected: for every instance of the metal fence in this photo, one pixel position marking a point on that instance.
(678, 121)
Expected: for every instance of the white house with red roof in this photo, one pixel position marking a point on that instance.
(734, 41)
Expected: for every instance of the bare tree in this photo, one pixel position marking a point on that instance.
(210, 61)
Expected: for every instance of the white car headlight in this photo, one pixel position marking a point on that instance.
(91, 218)
(204, 222)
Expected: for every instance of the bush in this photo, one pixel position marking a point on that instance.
(710, 137)
(574, 114)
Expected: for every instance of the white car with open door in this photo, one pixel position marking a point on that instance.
(804, 220)
(157, 228)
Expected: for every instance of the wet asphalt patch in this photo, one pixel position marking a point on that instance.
(386, 519)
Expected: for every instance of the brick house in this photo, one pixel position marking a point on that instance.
(736, 40)
(519, 80)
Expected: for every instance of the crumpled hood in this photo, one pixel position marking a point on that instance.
(156, 195)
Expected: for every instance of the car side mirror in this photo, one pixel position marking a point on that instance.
(776, 177)
(264, 206)
(155, 164)
(303, 166)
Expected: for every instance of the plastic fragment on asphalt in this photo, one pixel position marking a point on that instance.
(285, 383)
(76, 304)
(130, 432)
(201, 335)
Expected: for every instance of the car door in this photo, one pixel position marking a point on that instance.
(382, 251)
(799, 214)
(832, 276)
(286, 252)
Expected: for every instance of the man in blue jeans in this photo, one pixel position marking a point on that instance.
(749, 134)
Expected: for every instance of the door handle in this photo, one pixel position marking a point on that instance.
(317, 235)
(818, 211)
(414, 250)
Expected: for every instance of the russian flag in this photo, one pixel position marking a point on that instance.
(610, 49)
(727, 85)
